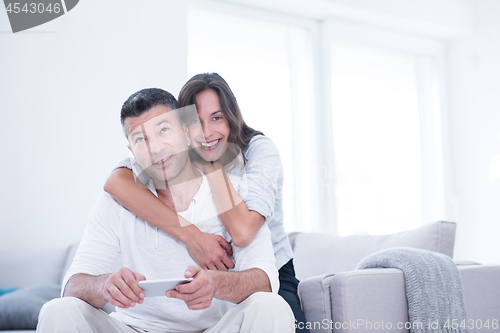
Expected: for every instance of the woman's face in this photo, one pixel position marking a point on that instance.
(210, 139)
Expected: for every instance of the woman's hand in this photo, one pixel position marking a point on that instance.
(209, 251)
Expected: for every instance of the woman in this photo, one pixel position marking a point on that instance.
(222, 125)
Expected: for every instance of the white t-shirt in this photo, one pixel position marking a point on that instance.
(113, 232)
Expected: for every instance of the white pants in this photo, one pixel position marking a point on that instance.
(259, 313)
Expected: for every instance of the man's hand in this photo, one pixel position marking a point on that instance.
(197, 294)
(209, 251)
(122, 288)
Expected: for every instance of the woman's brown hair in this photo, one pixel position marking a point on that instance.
(239, 132)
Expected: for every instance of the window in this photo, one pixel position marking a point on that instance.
(376, 140)
(265, 63)
(355, 112)
(385, 130)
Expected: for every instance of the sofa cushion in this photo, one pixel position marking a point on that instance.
(4, 291)
(19, 309)
(70, 255)
(318, 254)
(31, 267)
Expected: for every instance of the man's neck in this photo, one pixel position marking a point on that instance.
(181, 190)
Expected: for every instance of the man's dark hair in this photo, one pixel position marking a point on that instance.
(145, 99)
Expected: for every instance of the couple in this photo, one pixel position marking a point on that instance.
(187, 213)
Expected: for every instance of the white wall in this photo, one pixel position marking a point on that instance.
(475, 135)
(441, 18)
(62, 85)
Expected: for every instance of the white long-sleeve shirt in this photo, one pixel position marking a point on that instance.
(113, 232)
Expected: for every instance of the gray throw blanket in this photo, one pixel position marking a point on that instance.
(433, 287)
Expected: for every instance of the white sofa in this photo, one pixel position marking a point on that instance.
(330, 289)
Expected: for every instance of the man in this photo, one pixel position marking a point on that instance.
(159, 141)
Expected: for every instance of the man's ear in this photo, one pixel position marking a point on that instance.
(186, 130)
(130, 148)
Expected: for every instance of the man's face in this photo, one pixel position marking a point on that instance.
(159, 142)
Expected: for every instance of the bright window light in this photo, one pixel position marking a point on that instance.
(376, 133)
(253, 56)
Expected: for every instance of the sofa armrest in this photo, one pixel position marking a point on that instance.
(315, 297)
(481, 286)
(370, 300)
(355, 299)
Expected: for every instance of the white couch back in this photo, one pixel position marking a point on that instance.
(318, 254)
(314, 254)
(31, 268)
